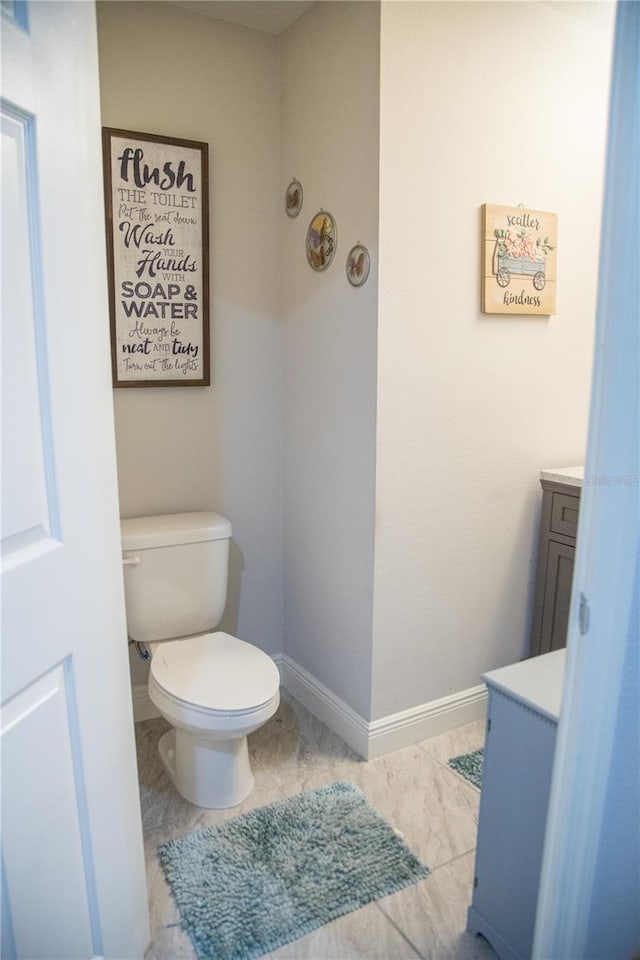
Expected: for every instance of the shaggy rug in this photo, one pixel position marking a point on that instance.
(469, 765)
(249, 885)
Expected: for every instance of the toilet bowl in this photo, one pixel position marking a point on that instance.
(213, 688)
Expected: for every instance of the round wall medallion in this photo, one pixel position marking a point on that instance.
(357, 266)
(322, 240)
(293, 199)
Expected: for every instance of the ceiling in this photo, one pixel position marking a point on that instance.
(270, 16)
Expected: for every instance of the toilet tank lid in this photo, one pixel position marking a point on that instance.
(144, 533)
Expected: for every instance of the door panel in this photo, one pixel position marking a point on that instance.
(35, 724)
(29, 502)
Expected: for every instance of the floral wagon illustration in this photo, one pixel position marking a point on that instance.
(520, 254)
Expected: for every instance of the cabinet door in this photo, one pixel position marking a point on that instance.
(516, 779)
(557, 596)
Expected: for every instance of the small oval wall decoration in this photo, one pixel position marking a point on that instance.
(322, 240)
(293, 199)
(358, 264)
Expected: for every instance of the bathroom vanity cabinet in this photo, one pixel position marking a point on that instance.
(524, 705)
(561, 491)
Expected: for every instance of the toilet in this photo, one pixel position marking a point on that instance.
(213, 688)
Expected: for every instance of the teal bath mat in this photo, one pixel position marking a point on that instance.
(249, 885)
(469, 765)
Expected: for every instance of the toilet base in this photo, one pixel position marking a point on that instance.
(215, 774)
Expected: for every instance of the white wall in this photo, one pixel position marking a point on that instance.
(329, 141)
(169, 71)
(480, 102)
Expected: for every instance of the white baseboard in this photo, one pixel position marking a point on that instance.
(278, 659)
(326, 706)
(369, 739)
(143, 709)
(426, 720)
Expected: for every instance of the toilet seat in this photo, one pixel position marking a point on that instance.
(215, 674)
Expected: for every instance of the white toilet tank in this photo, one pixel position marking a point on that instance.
(175, 574)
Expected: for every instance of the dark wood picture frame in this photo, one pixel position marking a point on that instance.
(156, 192)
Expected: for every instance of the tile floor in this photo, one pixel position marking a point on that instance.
(435, 809)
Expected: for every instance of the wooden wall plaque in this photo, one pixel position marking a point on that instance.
(519, 252)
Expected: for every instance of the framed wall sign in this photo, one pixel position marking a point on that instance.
(157, 212)
(519, 251)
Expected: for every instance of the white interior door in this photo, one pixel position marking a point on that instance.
(73, 882)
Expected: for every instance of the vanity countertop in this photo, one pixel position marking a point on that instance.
(573, 476)
(537, 682)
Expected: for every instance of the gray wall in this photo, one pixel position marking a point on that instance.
(169, 71)
(329, 141)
